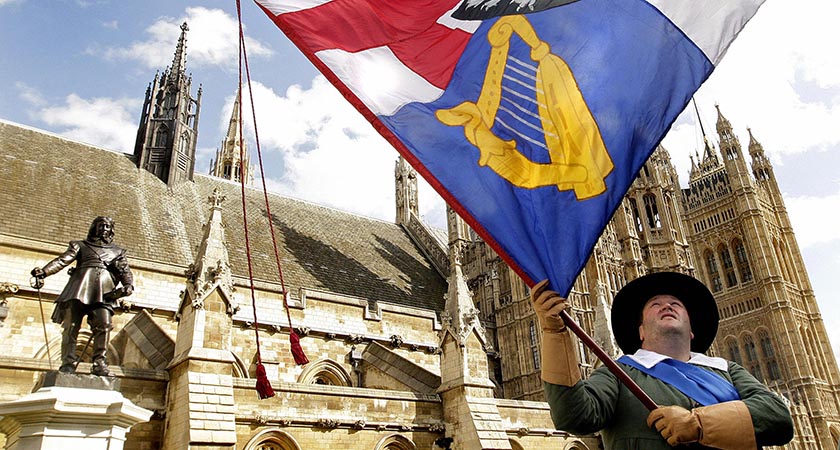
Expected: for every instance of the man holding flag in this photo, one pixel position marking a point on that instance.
(531, 118)
(663, 322)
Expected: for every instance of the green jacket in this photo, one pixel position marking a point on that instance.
(601, 402)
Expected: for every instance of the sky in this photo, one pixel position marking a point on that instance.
(80, 68)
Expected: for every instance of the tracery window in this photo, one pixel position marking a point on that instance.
(161, 136)
(535, 351)
(712, 269)
(753, 364)
(634, 208)
(769, 356)
(728, 267)
(734, 351)
(743, 262)
(652, 211)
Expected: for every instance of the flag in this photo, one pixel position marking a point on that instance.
(530, 117)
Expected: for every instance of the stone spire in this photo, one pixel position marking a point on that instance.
(211, 268)
(473, 421)
(203, 360)
(229, 163)
(179, 62)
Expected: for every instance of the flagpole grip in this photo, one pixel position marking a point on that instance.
(608, 361)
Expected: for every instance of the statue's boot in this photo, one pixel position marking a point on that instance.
(100, 344)
(69, 360)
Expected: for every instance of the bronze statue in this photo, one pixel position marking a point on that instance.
(92, 291)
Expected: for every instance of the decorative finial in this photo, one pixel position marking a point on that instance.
(216, 199)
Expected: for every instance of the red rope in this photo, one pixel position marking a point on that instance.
(263, 386)
(297, 351)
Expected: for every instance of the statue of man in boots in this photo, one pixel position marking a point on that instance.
(101, 266)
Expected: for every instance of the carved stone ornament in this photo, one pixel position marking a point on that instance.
(8, 288)
(523, 431)
(433, 350)
(437, 428)
(359, 424)
(328, 423)
(396, 341)
(355, 338)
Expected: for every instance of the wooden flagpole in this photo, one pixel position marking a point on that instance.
(608, 361)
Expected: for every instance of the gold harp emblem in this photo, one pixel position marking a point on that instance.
(579, 159)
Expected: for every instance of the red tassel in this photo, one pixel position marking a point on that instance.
(264, 389)
(297, 350)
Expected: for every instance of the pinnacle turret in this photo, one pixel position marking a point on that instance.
(762, 169)
(233, 161)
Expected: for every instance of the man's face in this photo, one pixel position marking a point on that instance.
(103, 229)
(665, 315)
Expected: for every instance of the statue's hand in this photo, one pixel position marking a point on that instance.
(38, 273)
(128, 290)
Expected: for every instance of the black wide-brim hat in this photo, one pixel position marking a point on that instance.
(698, 301)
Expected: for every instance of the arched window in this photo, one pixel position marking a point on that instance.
(743, 262)
(712, 268)
(535, 351)
(769, 356)
(728, 267)
(652, 211)
(272, 439)
(634, 208)
(782, 261)
(753, 365)
(226, 170)
(161, 137)
(184, 143)
(395, 442)
(734, 351)
(327, 372)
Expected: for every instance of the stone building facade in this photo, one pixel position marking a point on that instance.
(418, 338)
(398, 355)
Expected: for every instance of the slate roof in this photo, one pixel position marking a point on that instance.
(53, 187)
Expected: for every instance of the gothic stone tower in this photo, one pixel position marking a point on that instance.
(740, 233)
(168, 130)
(232, 162)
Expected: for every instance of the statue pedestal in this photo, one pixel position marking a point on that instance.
(59, 416)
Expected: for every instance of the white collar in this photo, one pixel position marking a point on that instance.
(649, 359)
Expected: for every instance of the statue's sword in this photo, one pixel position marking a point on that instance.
(38, 283)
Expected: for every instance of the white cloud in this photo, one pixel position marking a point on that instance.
(212, 40)
(29, 94)
(815, 219)
(330, 154)
(778, 78)
(111, 24)
(9, 2)
(106, 122)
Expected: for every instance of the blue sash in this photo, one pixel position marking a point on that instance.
(701, 385)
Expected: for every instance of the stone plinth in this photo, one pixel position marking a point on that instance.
(58, 417)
